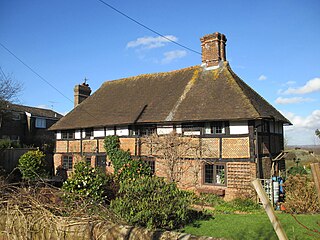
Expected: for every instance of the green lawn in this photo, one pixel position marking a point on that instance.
(254, 226)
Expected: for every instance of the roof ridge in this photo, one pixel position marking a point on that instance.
(150, 74)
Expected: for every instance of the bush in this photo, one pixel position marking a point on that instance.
(7, 143)
(238, 205)
(297, 170)
(301, 195)
(88, 183)
(117, 156)
(209, 199)
(124, 166)
(151, 202)
(32, 165)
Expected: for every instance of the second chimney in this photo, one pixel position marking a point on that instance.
(81, 92)
(213, 48)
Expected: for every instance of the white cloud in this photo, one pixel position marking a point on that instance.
(281, 100)
(312, 85)
(262, 77)
(290, 82)
(151, 42)
(303, 128)
(170, 56)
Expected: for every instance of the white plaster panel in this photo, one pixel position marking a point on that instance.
(179, 129)
(58, 135)
(109, 131)
(239, 127)
(122, 131)
(191, 133)
(77, 134)
(161, 130)
(98, 132)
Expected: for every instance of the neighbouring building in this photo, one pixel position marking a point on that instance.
(28, 125)
(239, 134)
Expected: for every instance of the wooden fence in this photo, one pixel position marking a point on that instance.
(9, 158)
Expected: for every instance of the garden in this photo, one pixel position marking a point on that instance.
(133, 196)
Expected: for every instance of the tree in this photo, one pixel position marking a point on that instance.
(9, 89)
(317, 132)
(175, 153)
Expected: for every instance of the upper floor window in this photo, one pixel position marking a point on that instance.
(67, 134)
(191, 129)
(41, 123)
(16, 116)
(215, 128)
(88, 132)
(144, 130)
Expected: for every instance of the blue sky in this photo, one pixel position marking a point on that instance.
(272, 45)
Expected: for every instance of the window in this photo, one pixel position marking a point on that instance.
(67, 162)
(88, 161)
(88, 132)
(191, 130)
(16, 116)
(41, 123)
(215, 128)
(144, 130)
(67, 134)
(214, 174)
(151, 163)
(101, 162)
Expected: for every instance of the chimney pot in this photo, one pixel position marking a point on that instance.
(213, 48)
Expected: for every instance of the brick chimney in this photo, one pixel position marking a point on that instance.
(213, 48)
(81, 92)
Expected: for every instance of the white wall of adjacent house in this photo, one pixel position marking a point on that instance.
(123, 131)
(239, 127)
(99, 132)
(109, 131)
(164, 129)
(58, 135)
(77, 134)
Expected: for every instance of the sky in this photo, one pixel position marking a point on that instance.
(274, 46)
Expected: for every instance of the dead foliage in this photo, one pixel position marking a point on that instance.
(301, 196)
(30, 210)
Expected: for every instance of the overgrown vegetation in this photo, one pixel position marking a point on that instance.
(7, 143)
(32, 165)
(153, 203)
(90, 183)
(301, 196)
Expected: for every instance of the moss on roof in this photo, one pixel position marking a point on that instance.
(186, 95)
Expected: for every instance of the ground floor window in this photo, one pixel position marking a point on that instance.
(215, 174)
(67, 162)
(151, 163)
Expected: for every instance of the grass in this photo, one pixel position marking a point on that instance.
(254, 226)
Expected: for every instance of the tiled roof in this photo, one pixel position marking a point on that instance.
(192, 94)
(37, 112)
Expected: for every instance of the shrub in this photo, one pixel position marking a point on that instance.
(124, 166)
(297, 170)
(88, 183)
(7, 143)
(208, 199)
(301, 196)
(32, 165)
(117, 156)
(153, 203)
(238, 205)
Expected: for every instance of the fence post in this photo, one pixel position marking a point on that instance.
(315, 169)
(269, 210)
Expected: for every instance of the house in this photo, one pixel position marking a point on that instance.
(28, 125)
(239, 133)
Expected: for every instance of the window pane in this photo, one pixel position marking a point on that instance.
(220, 176)
(208, 173)
(40, 123)
(67, 162)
